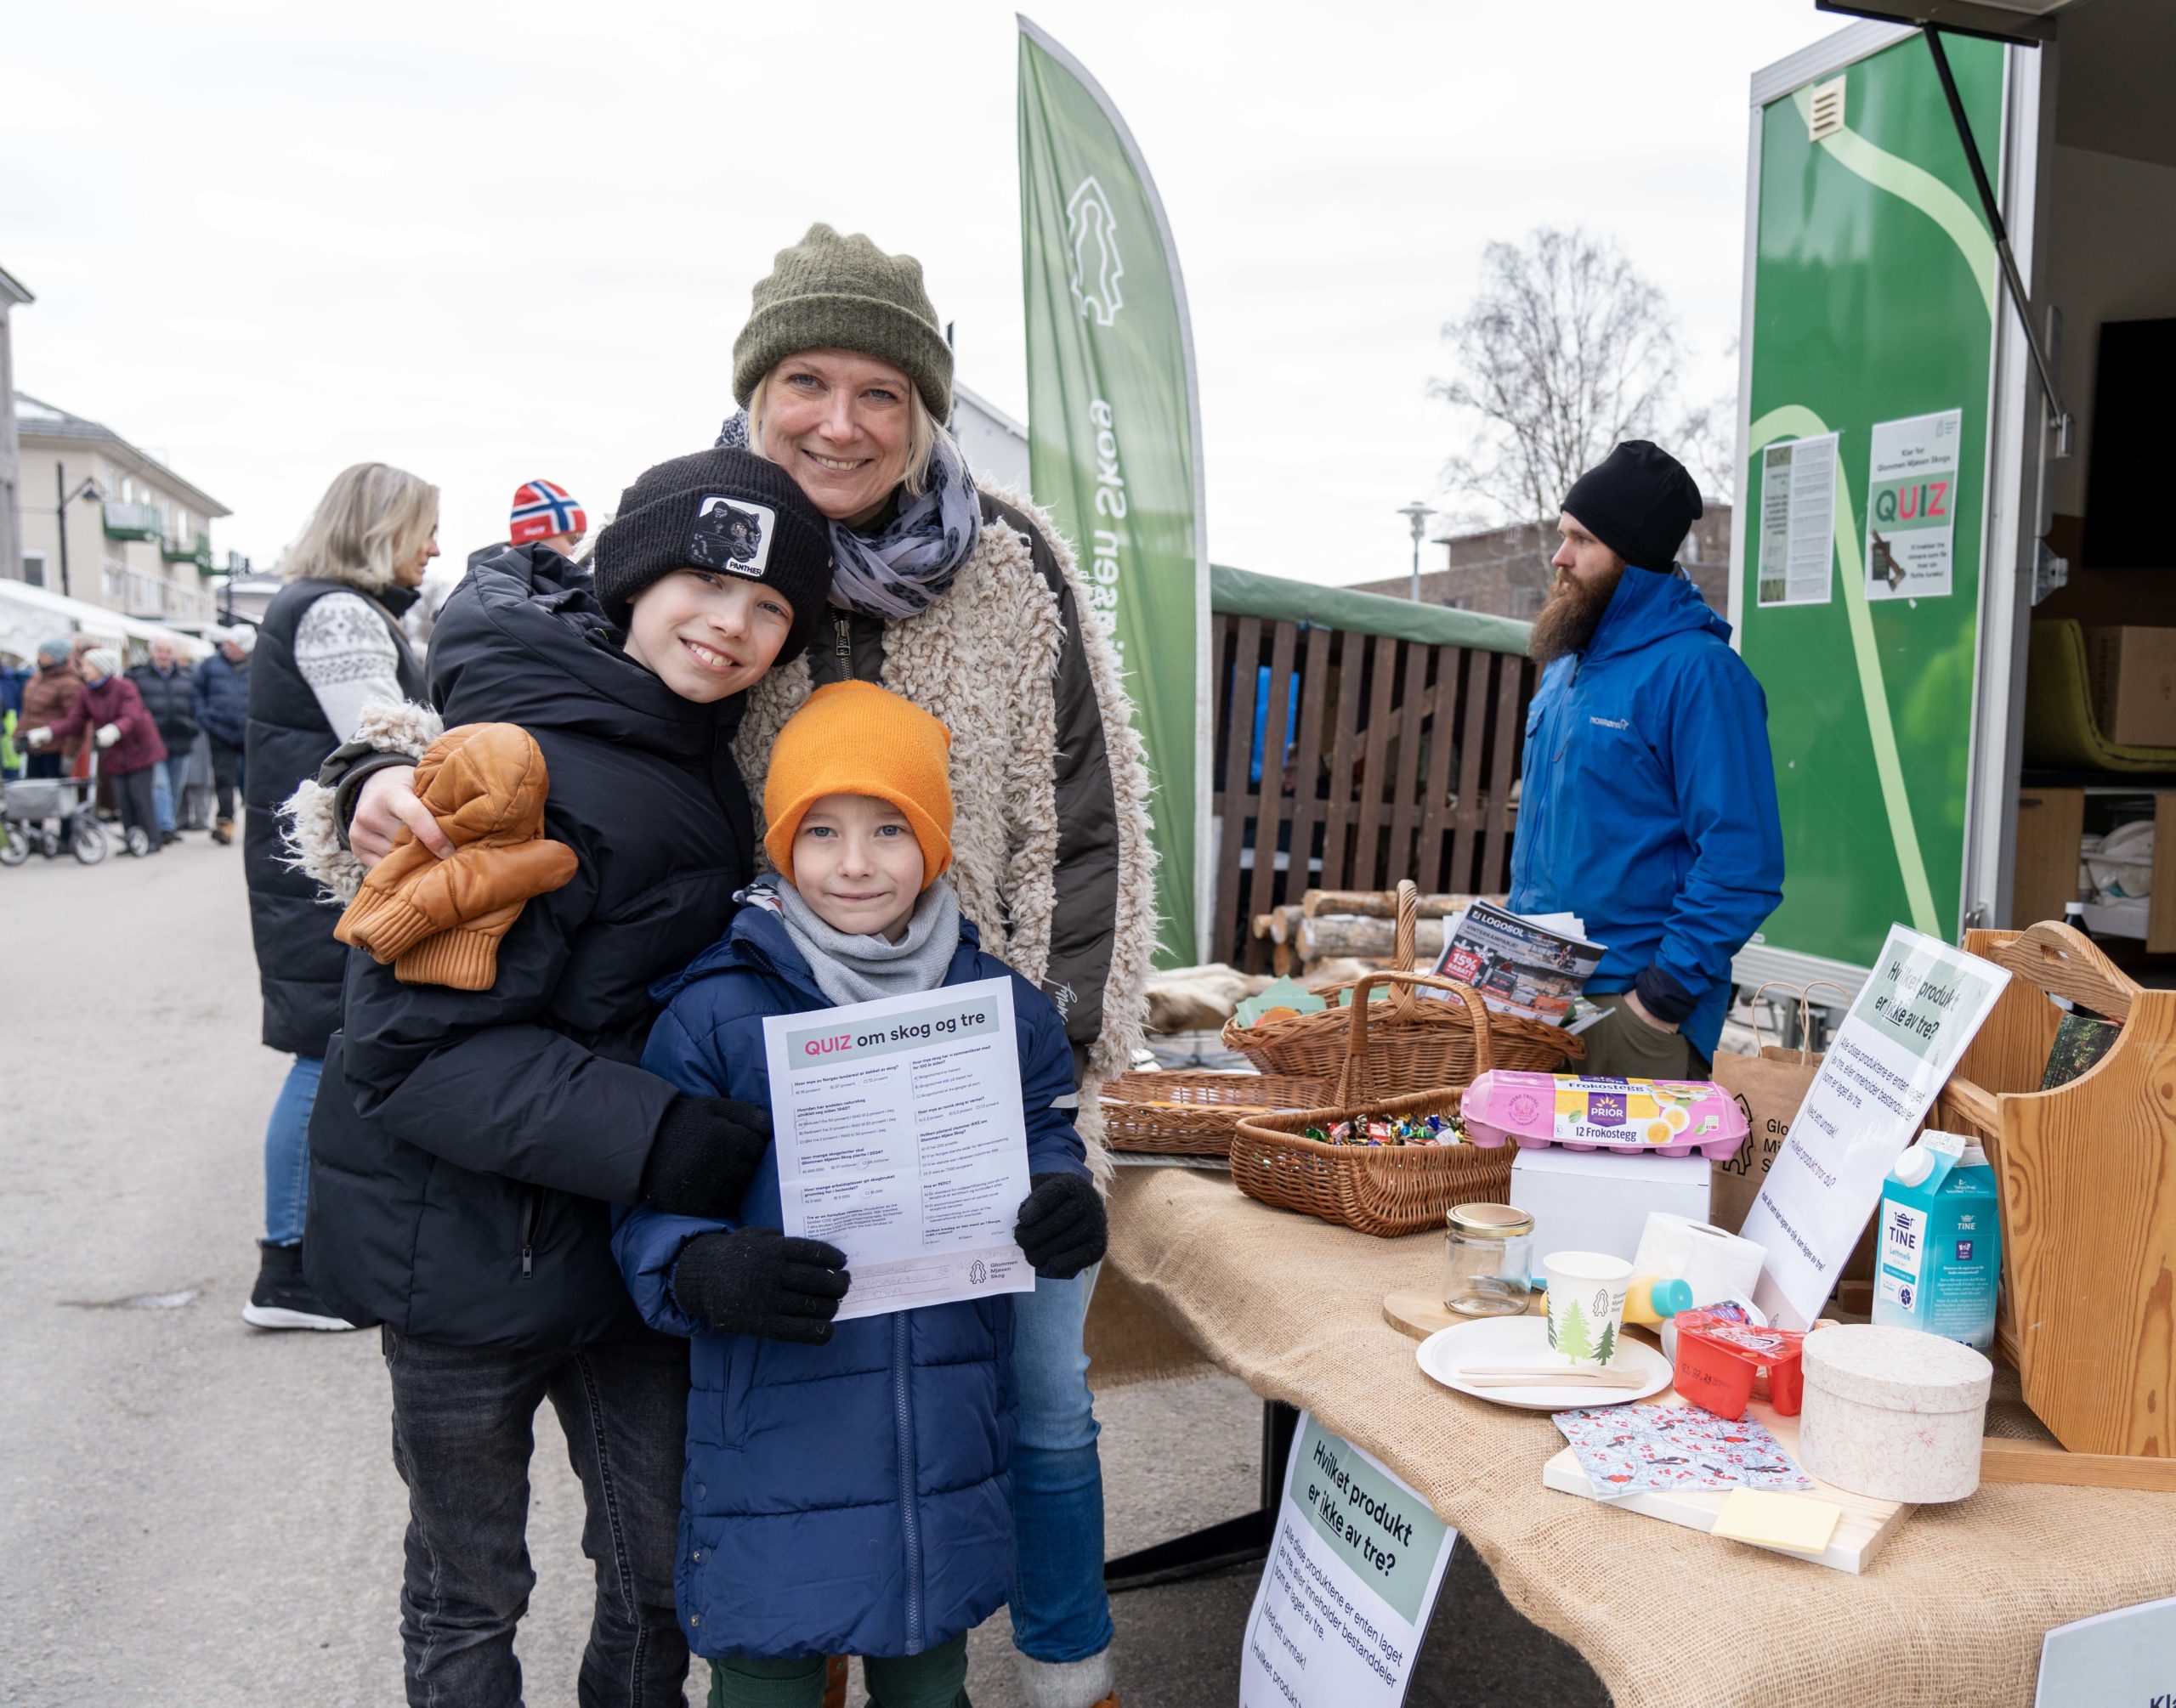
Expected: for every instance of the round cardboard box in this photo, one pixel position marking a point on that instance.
(1893, 1413)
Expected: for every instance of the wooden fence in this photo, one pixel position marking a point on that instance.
(1400, 764)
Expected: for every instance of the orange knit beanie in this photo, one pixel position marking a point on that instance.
(857, 739)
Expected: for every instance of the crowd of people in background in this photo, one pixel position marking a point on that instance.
(147, 733)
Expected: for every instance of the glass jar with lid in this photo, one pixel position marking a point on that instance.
(1489, 1268)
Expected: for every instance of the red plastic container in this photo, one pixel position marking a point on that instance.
(1718, 1362)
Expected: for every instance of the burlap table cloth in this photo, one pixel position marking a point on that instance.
(1952, 1609)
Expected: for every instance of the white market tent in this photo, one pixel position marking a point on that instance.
(30, 615)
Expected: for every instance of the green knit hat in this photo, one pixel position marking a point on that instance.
(829, 292)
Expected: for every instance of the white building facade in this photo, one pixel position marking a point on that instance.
(13, 295)
(101, 521)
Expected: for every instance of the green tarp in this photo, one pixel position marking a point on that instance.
(1242, 593)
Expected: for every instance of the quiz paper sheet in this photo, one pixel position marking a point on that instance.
(901, 1140)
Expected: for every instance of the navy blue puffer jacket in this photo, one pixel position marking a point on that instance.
(853, 1498)
(219, 696)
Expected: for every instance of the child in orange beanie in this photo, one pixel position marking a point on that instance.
(848, 1487)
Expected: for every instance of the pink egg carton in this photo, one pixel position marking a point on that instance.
(1635, 1117)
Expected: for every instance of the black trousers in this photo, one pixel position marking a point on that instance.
(226, 770)
(463, 1434)
(133, 793)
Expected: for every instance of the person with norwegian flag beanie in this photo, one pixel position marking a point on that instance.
(545, 514)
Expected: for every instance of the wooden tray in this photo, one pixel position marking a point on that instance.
(1864, 1528)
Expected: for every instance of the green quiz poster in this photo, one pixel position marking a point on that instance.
(1872, 329)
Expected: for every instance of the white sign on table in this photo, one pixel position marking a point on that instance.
(2126, 1658)
(902, 1141)
(1903, 1037)
(1354, 1565)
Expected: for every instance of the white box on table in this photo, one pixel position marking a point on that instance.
(1598, 1201)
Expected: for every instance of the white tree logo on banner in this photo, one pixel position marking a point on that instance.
(1091, 230)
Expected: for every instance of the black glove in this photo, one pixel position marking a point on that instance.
(706, 1151)
(1061, 1225)
(755, 1281)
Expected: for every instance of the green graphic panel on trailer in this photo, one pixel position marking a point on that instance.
(1874, 294)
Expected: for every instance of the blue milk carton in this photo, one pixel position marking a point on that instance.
(1941, 1252)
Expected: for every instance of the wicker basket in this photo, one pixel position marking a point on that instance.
(1194, 1114)
(1385, 1190)
(1420, 1045)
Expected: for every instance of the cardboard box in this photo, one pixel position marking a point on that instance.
(1596, 1201)
(2134, 674)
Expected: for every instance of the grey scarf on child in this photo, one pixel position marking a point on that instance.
(850, 968)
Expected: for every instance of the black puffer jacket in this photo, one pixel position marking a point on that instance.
(170, 697)
(467, 1146)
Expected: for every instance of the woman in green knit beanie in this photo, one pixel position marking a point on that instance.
(969, 606)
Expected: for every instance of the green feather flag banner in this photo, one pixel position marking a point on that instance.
(1115, 441)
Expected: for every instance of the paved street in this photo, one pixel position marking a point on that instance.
(199, 1514)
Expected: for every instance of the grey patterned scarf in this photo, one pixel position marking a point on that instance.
(851, 968)
(906, 565)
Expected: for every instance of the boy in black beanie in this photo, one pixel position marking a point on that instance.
(467, 1147)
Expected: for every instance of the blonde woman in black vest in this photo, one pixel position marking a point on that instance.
(330, 643)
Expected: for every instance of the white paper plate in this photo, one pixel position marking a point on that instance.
(1525, 1340)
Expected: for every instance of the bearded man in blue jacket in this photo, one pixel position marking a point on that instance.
(1648, 792)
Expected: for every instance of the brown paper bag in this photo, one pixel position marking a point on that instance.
(1769, 1088)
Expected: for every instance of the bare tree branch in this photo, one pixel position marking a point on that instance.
(1565, 351)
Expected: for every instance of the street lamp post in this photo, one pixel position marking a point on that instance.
(88, 488)
(1417, 514)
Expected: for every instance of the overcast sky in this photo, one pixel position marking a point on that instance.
(489, 242)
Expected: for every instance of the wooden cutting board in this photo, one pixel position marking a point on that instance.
(1866, 1526)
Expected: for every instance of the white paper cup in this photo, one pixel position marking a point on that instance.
(1586, 1306)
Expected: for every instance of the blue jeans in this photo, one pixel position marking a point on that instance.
(1059, 1610)
(287, 1153)
(168, 779)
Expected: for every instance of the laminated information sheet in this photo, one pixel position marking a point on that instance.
(901, 1140)
(1798, 521)
(1906, 1031)
(1912, 506)
(1354, 1565)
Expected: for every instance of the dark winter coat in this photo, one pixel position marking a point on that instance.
(853, 1498)
(467, 1146)
(298, 964)
(170, 697)
(220, 689)
(114, 701)
(49, 697)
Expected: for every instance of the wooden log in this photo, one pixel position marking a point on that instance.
(1352, 934)
(1278, 923)
(1379, 904)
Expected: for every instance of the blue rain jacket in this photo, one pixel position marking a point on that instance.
(1648, 801)
(854, 1498)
